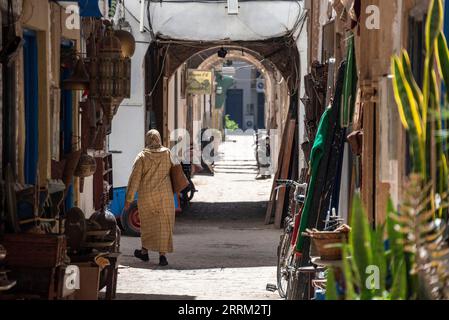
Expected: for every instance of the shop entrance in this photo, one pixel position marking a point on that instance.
(30, 57)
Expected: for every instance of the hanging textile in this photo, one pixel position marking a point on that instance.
(315, 159)
(223, 84)
(325, 157)
(350, 84)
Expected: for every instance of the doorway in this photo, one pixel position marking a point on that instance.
(234, 105)
(66, 115)
(261, 110)
(31, 84)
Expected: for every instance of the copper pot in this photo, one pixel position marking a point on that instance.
(86, 166)
(128, 43)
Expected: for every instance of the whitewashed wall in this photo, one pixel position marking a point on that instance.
(257, 20)
(210, 21)
(128, 126)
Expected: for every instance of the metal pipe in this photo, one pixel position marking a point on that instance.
(142, 15)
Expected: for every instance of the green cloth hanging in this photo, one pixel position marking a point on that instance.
(350, 85)
(315, 159)
(225, 82)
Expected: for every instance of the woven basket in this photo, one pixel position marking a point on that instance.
(325, 244)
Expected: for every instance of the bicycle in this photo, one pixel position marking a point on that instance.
(286, 253)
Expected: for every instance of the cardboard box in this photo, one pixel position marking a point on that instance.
(89, 281)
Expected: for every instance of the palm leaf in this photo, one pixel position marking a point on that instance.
(331, 286)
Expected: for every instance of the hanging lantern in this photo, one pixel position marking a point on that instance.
(79, 80)
(109, 60)
(86, 166)
(128, 43)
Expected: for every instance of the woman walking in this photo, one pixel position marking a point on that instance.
(150, 178)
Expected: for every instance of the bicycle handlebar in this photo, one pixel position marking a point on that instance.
(297, 185)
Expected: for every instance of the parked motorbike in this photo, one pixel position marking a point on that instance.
(188, 193)
(130, 218)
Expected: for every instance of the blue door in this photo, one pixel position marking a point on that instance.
(261, 110)
(234, 105)
(31, 86)
(66, 117)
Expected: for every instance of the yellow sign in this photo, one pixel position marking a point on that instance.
(199, 82)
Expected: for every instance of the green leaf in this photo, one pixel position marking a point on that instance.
(410, 78)
(434, 26)
(394, 238)
(434, 23)
(379, 258)
(443, 60)
(348, 273)
(360, 241)
(399, 287)
(331, 286)
(408, 106)
(400, 95)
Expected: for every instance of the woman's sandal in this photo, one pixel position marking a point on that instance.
(144, 257)
(163, 261)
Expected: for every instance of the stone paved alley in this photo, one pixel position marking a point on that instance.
(223, 250)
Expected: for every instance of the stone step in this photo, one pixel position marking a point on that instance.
(235, 170)
(221, 164)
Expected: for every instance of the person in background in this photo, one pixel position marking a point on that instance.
(150, 178)
(263, 156)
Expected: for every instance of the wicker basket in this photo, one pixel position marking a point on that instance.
(325, 244)
(34, 250)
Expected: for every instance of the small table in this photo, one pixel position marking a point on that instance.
(112, 275)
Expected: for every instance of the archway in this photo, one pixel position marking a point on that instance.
(165, 56)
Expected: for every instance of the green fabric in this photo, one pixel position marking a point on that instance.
(350, 85)
(315, 159)
(225, 82)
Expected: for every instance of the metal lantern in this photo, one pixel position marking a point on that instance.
(128, 43)
(86, 166)
(109, 61)
(79, 80)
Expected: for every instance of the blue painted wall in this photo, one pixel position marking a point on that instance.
(31, 87)
(117, 205)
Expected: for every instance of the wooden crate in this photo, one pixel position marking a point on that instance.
(89, 281)
(34, 250)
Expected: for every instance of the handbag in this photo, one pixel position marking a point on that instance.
(179, 180)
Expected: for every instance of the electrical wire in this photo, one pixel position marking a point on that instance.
(162, 72)
(134, 17)
(149, 20)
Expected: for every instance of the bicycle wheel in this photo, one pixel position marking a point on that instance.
(299, 286)
(282, 265)
(293, 279)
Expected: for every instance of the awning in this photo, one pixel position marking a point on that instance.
(209, 21)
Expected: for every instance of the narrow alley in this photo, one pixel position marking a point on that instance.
(223, 249)
(201, 150)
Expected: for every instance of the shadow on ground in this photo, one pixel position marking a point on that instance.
(215, 236)
(225, 213)
(137, 296)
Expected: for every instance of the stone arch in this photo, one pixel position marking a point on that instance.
(164, 57)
